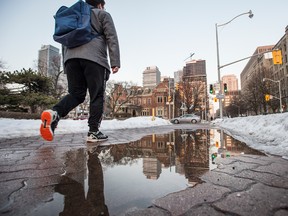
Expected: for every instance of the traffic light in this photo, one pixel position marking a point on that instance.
(225, 88)
(177, 86)
(211, 90)
(267, 97)
(169, 98)
(277, 56)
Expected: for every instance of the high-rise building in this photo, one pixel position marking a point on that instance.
(178, 75)
(256, 63)
(194, 68)
(261, 66)
(194, 73)
(48, 60)
(151, 77)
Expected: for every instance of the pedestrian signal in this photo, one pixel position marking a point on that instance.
(215, 99)
(277, 56)
(267, 97)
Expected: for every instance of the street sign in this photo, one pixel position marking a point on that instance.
(183, 107)
(220, 96)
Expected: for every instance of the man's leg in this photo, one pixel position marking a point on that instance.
(96, 82)
(77, 89)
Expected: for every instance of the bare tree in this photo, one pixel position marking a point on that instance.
(237, 107)
(118, 94)
(253, 96)
(254, 93)
(42, 66)
(193, 93)
(59, 86)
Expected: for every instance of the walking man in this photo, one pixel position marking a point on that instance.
(87, 67)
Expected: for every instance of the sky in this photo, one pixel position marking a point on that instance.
(161, 32)
(266, 133)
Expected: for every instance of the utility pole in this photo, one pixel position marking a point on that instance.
(169, 96)
(218, 58)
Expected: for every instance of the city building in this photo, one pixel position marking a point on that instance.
(280, 71)
(194, 68)
(151, 77)
(146, 101)
(262, 66)
(252, 86)
(257, 63)
(160, 98)
(178, 76)
(49, 60)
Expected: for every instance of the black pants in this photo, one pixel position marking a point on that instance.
(82, 75)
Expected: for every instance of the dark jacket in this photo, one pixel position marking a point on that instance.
(96, 50)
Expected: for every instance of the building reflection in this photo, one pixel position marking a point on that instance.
(190, 152)
(151, 168)
(186, 152)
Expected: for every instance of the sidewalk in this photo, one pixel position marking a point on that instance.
(242, 185)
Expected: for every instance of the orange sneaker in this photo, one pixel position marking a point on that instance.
(49, 120)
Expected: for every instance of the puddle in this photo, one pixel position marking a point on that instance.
(114, 179)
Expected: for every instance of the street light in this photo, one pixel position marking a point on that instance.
(218, 60)
(280, 95)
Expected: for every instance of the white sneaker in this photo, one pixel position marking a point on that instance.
(96, 136)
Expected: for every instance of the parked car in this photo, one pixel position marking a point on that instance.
(188, 118)
(81, 117)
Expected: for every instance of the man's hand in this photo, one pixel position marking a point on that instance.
(115, 69)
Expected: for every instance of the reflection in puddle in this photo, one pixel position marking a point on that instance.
(122, 177)
(159, 164)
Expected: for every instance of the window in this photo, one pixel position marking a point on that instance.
(160, 112)
(160, 145)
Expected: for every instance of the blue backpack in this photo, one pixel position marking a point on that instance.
(72, 25)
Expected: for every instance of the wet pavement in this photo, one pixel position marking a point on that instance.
(65, 177)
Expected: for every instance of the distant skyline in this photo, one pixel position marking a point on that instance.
(161, 33)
